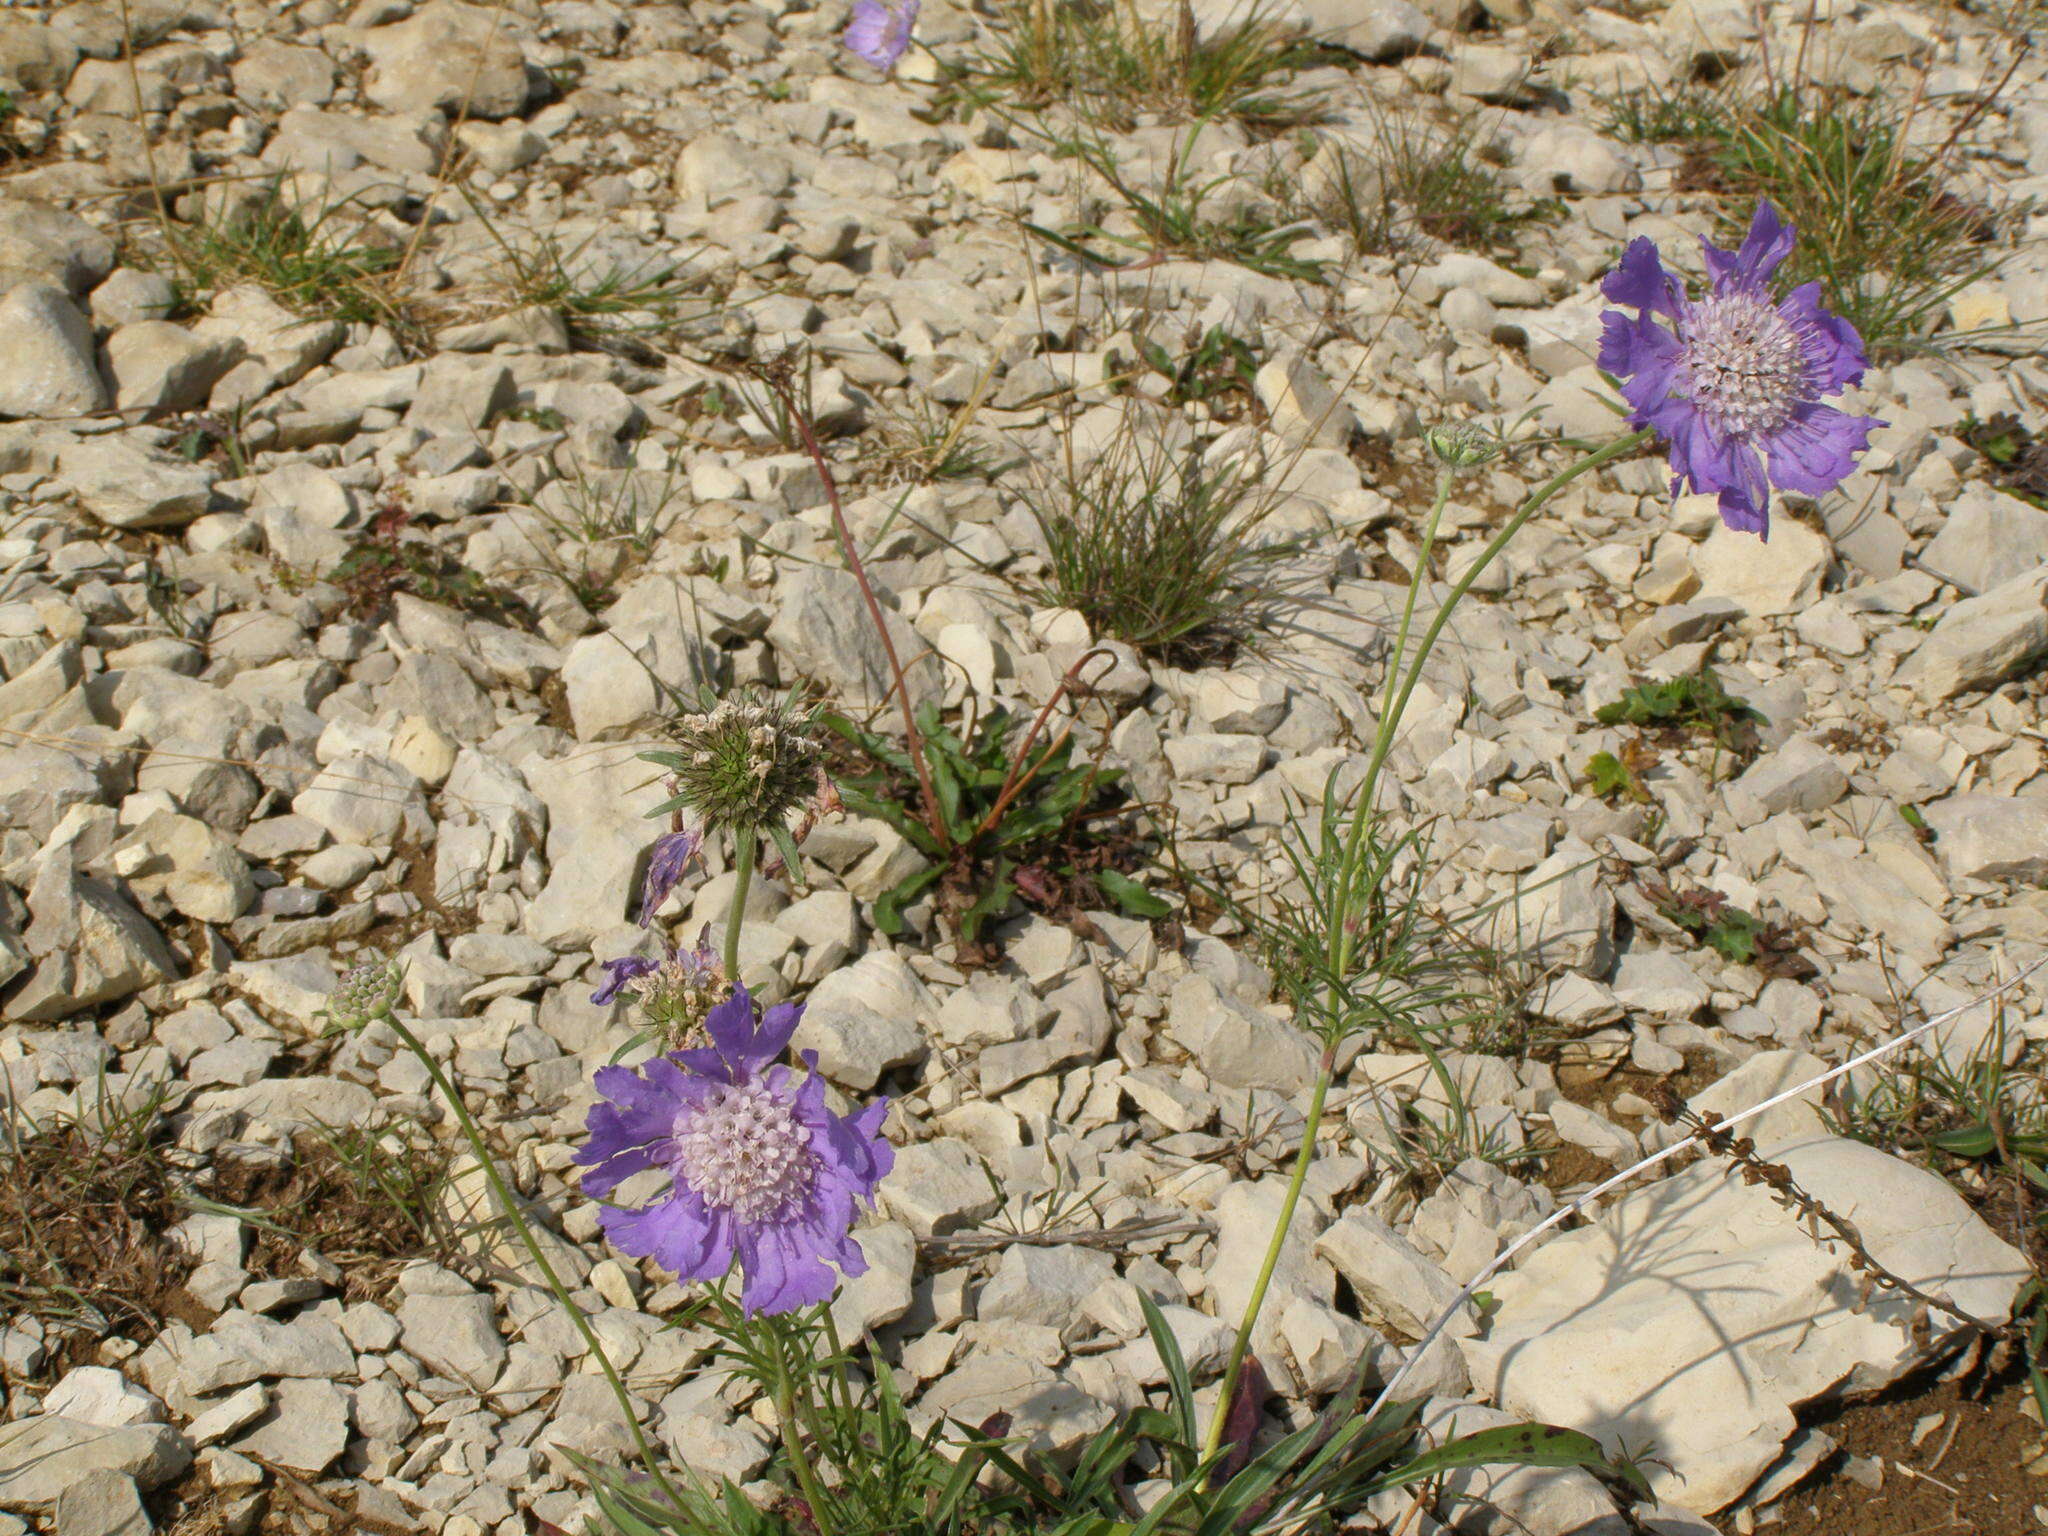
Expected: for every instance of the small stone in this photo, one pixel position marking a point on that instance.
(448, 57)
(48, 369)
(305, 1428)
(457, 1335)
(42, 1456)
(93, 1394)
(101, 1503)
(127, 485)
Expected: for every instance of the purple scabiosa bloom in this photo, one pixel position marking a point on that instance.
(880, 30)
(1735, 385)
(666, 861)
(760, 1171)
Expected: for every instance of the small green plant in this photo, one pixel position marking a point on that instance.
(327, 261)
(1158, 547)
(1619, 775)
(1213, 366)
(1889, 244)
(1718, 924)
(1177, 218)
(383, 561)
(1113, 67)
(1019, 822)
(2018, 459)
(1695, 702)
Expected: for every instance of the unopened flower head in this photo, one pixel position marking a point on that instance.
(748, 761)
(880, 30)
(760, 1172)
(1735, 385)
(1462, 444)
(366, 992)
(674, 995)
(749, 764)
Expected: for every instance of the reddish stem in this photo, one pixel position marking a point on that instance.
(1013, 784)
(800, 415)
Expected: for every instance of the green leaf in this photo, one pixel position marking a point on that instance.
(890, 904)
(1967, 1141)
(992, 902)
(1181, 1385)
(1132, 897)
(1520, 1445)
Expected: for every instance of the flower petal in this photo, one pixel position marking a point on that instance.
(783, 1269)
(621, 971)
(1835, 357)
(666, 863)
(1768, 243)
(680, 1234)
(1640, 281)
(1816, 450)
(777, 1025)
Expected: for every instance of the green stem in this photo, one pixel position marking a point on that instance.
(1400, 686)
(742, 877)
(510, 1205)
(1397, 706)
(792, 1440)
(1242, 1344)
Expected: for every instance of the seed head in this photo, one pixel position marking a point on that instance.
(1462, 445)
(747, 762)
(365, 993)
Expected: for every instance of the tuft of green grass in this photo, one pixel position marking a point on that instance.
(1178, 218)
(1879, 229)
(601, 304)
(326, 262)
(1158, 548)
(1418, 185)
(1099, 58)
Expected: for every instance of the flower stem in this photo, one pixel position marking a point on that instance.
(743, 839)
(509, 1203)
(1284, 1223)
(1399, 686)
(792, 1439)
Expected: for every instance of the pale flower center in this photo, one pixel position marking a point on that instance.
(1744, 362)
(746, 1153)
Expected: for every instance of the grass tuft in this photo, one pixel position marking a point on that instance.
(1181, 217)
(1158, 548)
(1879, 229)
(327, 262)
(1415, 187)
(1114, 69)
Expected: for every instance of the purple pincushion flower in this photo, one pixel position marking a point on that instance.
(1735, 385)
(880, 30)
(759, 1170)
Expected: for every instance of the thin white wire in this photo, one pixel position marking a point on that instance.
(1565, 1212)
